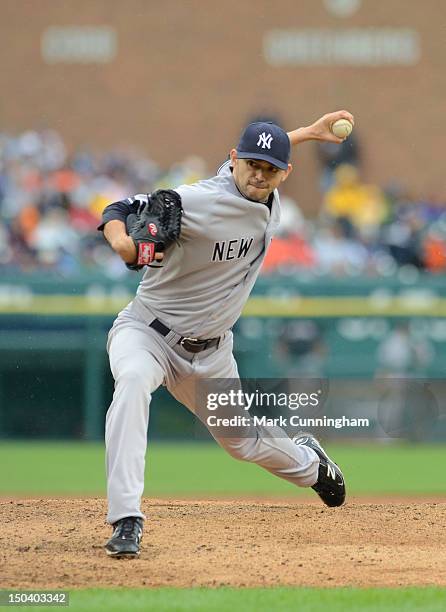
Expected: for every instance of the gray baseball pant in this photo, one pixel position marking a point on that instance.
(141, 360)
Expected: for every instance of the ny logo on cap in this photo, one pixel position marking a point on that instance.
(264, 141)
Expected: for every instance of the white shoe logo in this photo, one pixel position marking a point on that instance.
(264, 141)
(331, 471)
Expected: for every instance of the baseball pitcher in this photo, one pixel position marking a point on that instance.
(201, 247)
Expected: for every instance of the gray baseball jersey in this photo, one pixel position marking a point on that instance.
(204, 281)
(198, 291)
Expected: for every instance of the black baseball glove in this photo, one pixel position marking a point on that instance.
(156, 226)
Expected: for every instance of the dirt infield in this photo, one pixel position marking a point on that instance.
(57, 543)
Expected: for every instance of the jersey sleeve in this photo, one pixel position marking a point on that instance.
(122, 209)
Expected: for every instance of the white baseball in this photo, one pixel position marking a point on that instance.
(342, 128)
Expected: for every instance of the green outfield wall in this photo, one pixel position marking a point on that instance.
(54, 375)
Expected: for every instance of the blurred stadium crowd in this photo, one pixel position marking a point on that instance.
(51, 203)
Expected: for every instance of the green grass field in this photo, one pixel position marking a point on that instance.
(275, 599)
(188, 469)
(280, 599)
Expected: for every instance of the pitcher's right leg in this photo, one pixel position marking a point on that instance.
(137, 369)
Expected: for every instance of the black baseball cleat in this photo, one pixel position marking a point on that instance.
(330, 484)
(127, 534)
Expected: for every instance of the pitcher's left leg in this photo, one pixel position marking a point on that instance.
(269, 447)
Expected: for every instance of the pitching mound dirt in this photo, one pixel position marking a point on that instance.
(57, 543)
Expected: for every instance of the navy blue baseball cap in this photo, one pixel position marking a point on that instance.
(266, 141)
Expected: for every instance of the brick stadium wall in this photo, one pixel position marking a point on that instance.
(188, 73)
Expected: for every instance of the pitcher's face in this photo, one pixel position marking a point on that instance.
(256, 179)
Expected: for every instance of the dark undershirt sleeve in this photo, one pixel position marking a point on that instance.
(119, 211)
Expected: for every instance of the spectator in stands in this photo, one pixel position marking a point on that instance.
(402, 354)
(403, 237)
(300, 350)
(332, 155)
(290, 248)
(406, 408)
(190, 170)
(336, 250)
(361, 204)
(434, 251)
(46, 193)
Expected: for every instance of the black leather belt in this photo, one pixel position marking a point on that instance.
(193, 345)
